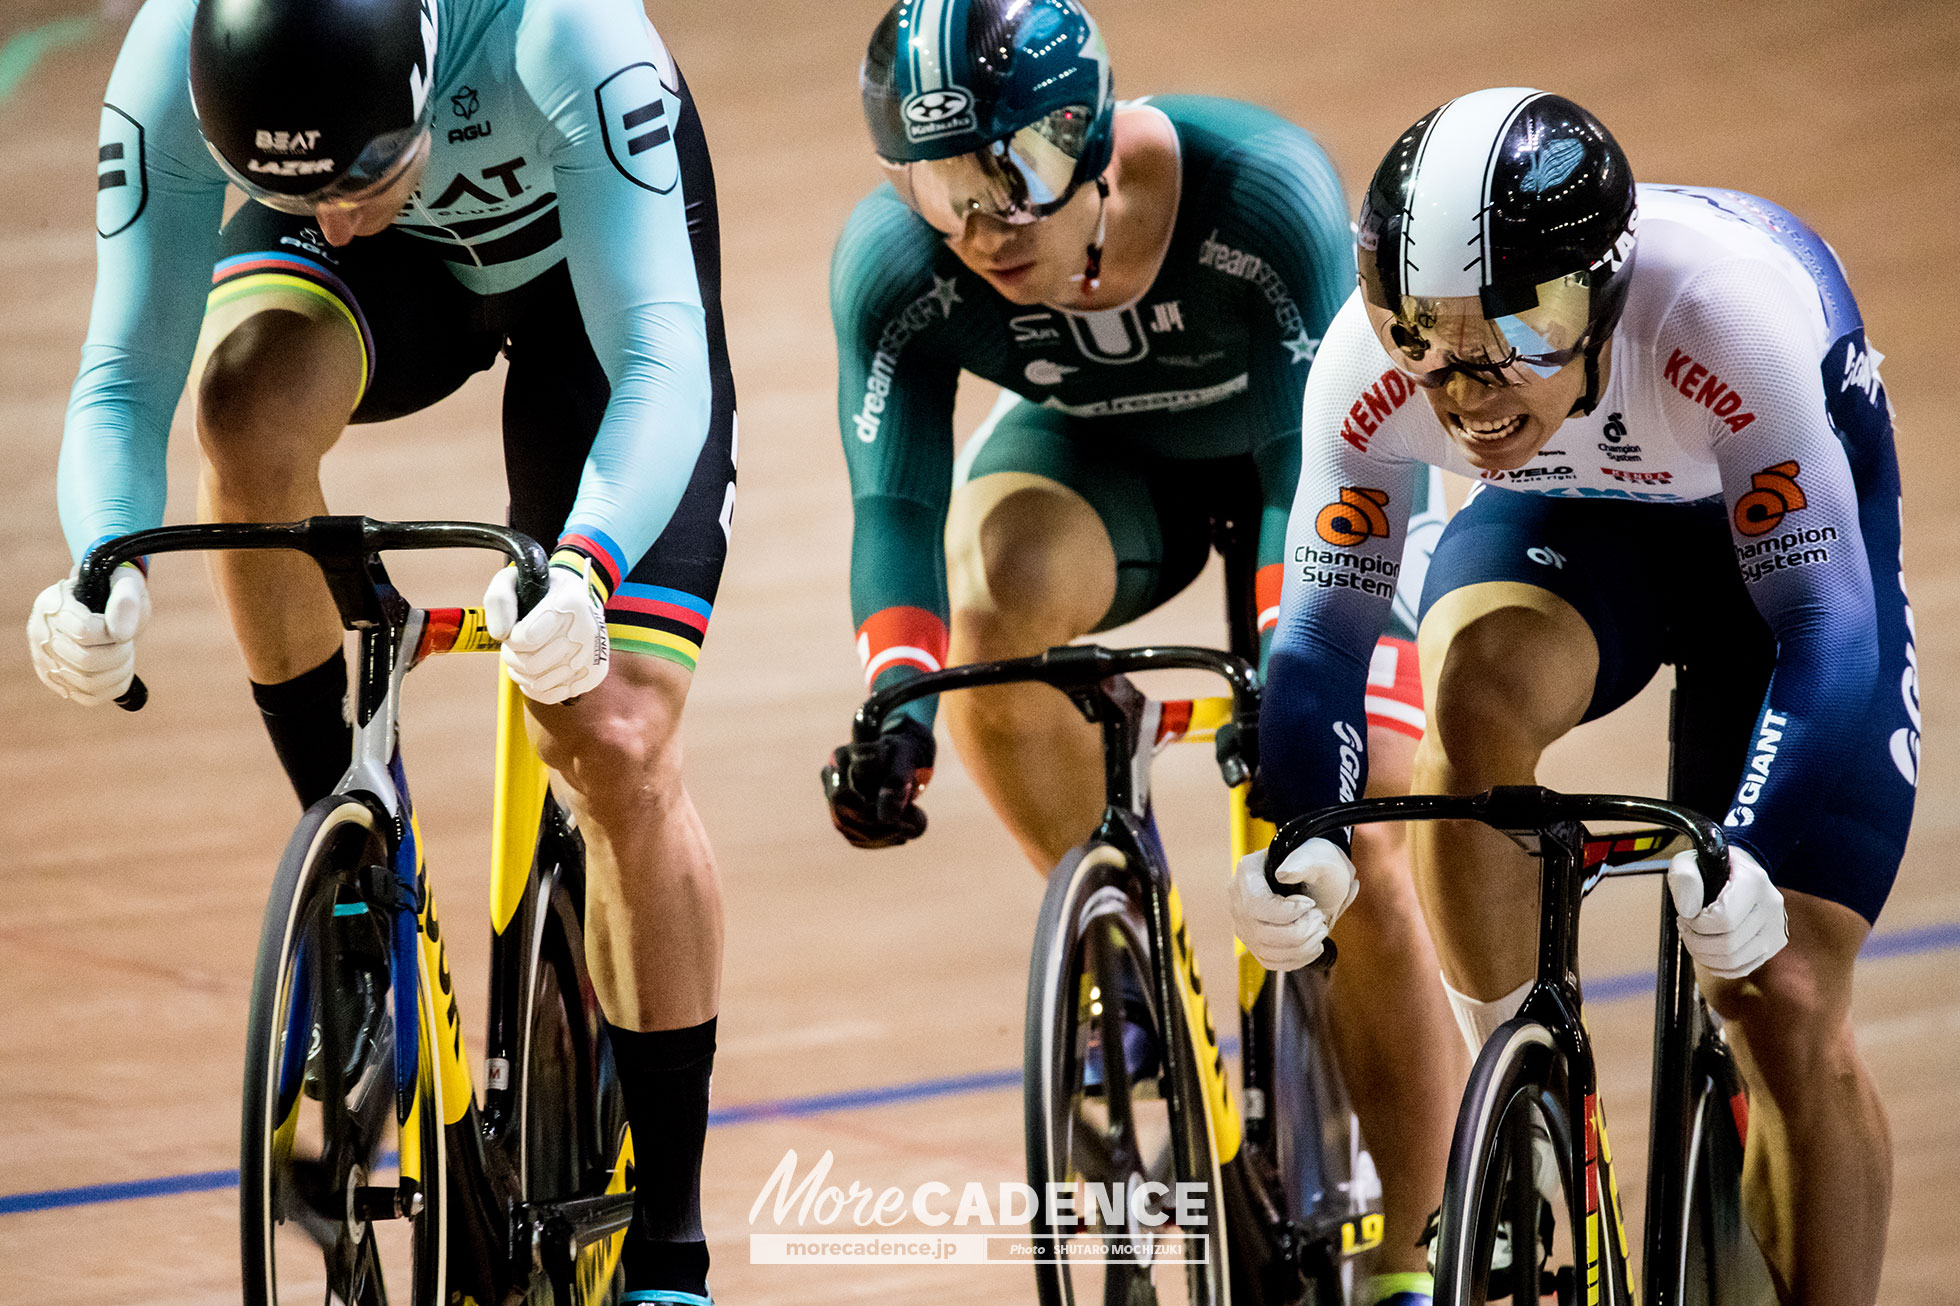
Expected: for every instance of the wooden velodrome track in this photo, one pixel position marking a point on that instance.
(134, 851)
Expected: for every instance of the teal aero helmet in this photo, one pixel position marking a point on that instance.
(1001, 108)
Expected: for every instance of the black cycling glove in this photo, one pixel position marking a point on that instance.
(873, 788)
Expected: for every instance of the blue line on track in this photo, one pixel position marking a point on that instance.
(1607, 988)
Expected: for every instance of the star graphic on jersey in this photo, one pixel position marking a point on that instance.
(946, 292)
(1303, 347)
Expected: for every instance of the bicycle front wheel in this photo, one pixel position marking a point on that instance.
(1127, 1190)
(328, 1209)
(1507, 1224)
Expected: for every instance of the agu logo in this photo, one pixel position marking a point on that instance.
(1776, 493)
(1353, 518)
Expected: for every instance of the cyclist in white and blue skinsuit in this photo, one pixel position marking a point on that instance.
(1685, 454)
(438, 182)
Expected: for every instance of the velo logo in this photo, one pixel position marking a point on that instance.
(1776, 494)
(1354, 518)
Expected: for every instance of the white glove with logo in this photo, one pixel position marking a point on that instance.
(88, 657)
(559, 650)
(1743, 928)
(1288, 932)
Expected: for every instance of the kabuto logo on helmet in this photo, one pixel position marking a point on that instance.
(937, 113)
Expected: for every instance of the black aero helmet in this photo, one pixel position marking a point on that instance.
(1001, 107)
(1497, 239)
(306, 101)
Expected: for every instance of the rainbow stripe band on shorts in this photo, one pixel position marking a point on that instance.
(660, 622)
(245, 274)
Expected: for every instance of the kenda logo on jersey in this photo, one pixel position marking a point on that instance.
(1374, 406)
(1768, 736)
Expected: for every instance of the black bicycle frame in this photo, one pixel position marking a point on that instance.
(1549, 825)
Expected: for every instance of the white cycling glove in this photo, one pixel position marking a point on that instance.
(559, 650)
(88, 657)
(1287, 932)
(1743, 928)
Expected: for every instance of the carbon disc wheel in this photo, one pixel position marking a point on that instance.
(572, 1118)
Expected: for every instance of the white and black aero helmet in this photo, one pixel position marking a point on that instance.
(305, 102)
(1497, 240)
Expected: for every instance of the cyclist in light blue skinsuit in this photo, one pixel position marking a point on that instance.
(438, 182)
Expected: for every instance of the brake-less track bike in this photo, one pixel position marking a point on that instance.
(1279, 1209)
(369, 1170)
(1535, 1076)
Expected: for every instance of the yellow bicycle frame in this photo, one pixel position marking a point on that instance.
(1249, 834)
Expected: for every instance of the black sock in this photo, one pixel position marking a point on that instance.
(307, 719)
(664, 1077)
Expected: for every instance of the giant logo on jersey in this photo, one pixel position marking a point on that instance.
(637, 120)
(1354, 518)
(1775, 493)
(121, 188)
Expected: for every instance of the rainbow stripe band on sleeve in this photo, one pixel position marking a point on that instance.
(608, 562)
(245, 274)
(1265, 590)
(900, 637)
(660, 622)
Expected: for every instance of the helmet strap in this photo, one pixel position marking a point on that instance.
(1590, 399)
(1090, 278)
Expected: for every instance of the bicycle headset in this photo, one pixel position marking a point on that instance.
(996, 107)
(310, 102)
(1497, 240)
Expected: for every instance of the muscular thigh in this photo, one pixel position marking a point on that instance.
(409, 330)
(1127, 531)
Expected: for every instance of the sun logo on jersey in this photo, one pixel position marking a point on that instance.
(1355, 517)
(1776, 493)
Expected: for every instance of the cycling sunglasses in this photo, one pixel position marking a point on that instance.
(1429, 340)
(385, 161)
(1022, 178)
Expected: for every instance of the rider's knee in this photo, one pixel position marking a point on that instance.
(1026, 564)
(1386, 907)
(1793, 1014)
(1502, 696)
(265, 410)
(619, 754)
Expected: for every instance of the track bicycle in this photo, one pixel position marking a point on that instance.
(1277, 1204)
(1534, 1089)
(368, 1166)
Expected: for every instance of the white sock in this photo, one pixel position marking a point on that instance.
(1479, 1020)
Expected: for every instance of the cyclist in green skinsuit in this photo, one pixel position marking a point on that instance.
(1148, 282)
